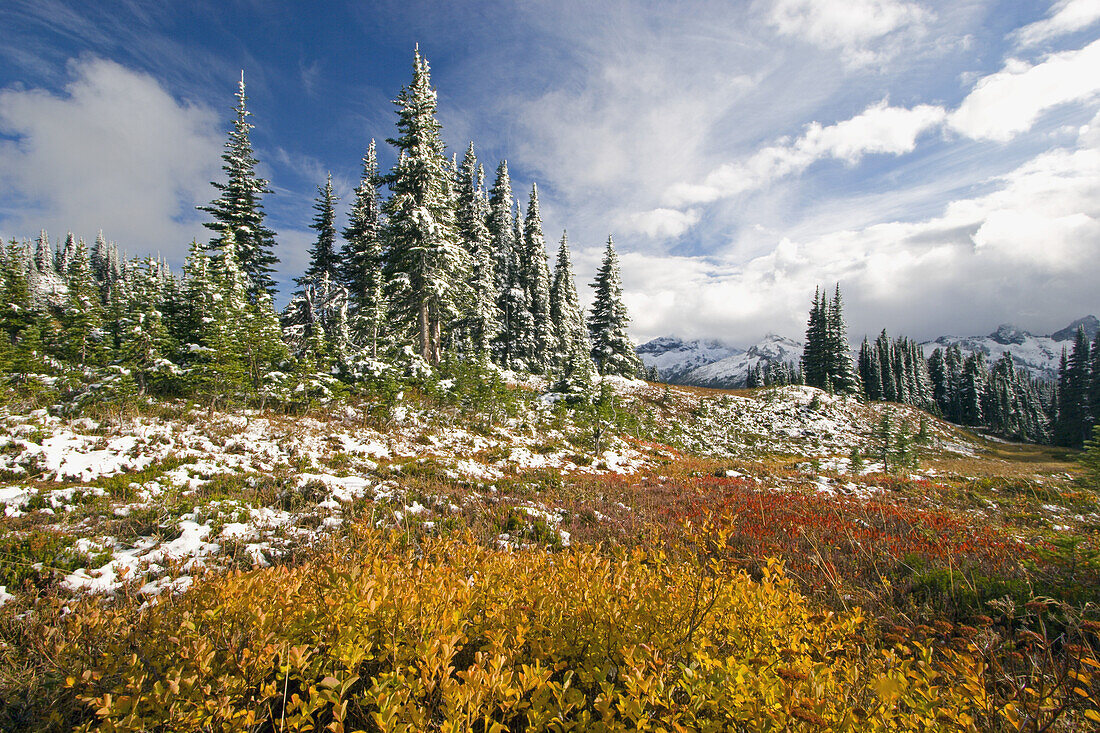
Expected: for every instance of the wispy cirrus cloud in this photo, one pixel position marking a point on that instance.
(1066, 16)
(1004, 104)
(878, 129)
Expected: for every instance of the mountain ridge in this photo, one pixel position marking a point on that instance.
(716, 363)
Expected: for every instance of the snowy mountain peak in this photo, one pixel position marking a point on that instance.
(1091, 324)
(1008, 334)
(674, 357)
(703, 363)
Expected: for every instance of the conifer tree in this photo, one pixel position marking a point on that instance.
(239, 209)
(81, 319)
(511, 295)
(322, 255)
(144, 342)
(869, 372)
(813, 355)
(16, 314)
(99, 258)
(612, 350)
(1072, 426)
(842, 373)
(43, 255)
(220, 372)
(572, 352)
(427, 266)
(536, 279)
(481, 326)
(1094, 381)
(63, 260)
(362, 258)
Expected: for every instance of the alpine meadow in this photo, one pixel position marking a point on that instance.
(380, 450)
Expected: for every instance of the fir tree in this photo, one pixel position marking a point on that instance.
(362, 258)
(572, 351)
(63, 260)
(511, 296)
(612, 350)
(238, 208)
(536, 280)
(842, 373)
(144, 342)
(813, 355)
(427, 265)
(482, 322)
(322, 256)
(81, 319)
(99, 258)
(1094, 381)
(1072, 426)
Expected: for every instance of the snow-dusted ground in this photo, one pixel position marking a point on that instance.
(155, 500)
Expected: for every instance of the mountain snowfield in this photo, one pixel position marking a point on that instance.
(711, 363)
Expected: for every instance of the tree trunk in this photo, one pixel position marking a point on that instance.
(425, 334)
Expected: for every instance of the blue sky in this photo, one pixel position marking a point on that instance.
(941, 160)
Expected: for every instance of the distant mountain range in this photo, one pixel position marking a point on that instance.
(713, 363)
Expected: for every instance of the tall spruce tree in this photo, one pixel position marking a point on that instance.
(481, 324)
(1072, 426)
(427, 266)
(814, 369)
(1094, 381)
(536, 281)
(612, 350)
(842, 373)
(81, 318)
(322, 255)
(362, 258)
(572, 353)
(509, 346)
(239, 208)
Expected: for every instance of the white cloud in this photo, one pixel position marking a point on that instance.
(1067, 16)
(115, 152)
(853, 26)
(878, 129)
(660, 223)
(1009, 102)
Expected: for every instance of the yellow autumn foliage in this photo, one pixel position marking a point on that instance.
(448, 635)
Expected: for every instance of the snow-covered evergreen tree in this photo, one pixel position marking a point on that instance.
(481, 324)
(535, 274)
(238, 207)
(612, 350)
(65, 254)
(841, 372)
(511, 295)
(322, 255)
(572, 353)
(427, 266)
(81, 318)
(144, 343)
(362, 259)
(1072, 425)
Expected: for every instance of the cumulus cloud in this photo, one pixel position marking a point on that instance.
(1009, 102)
(855, 27)
(113, 151)
(878, 129)
(1066, 16)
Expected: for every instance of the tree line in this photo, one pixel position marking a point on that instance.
(966, 390)
(433, 266)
